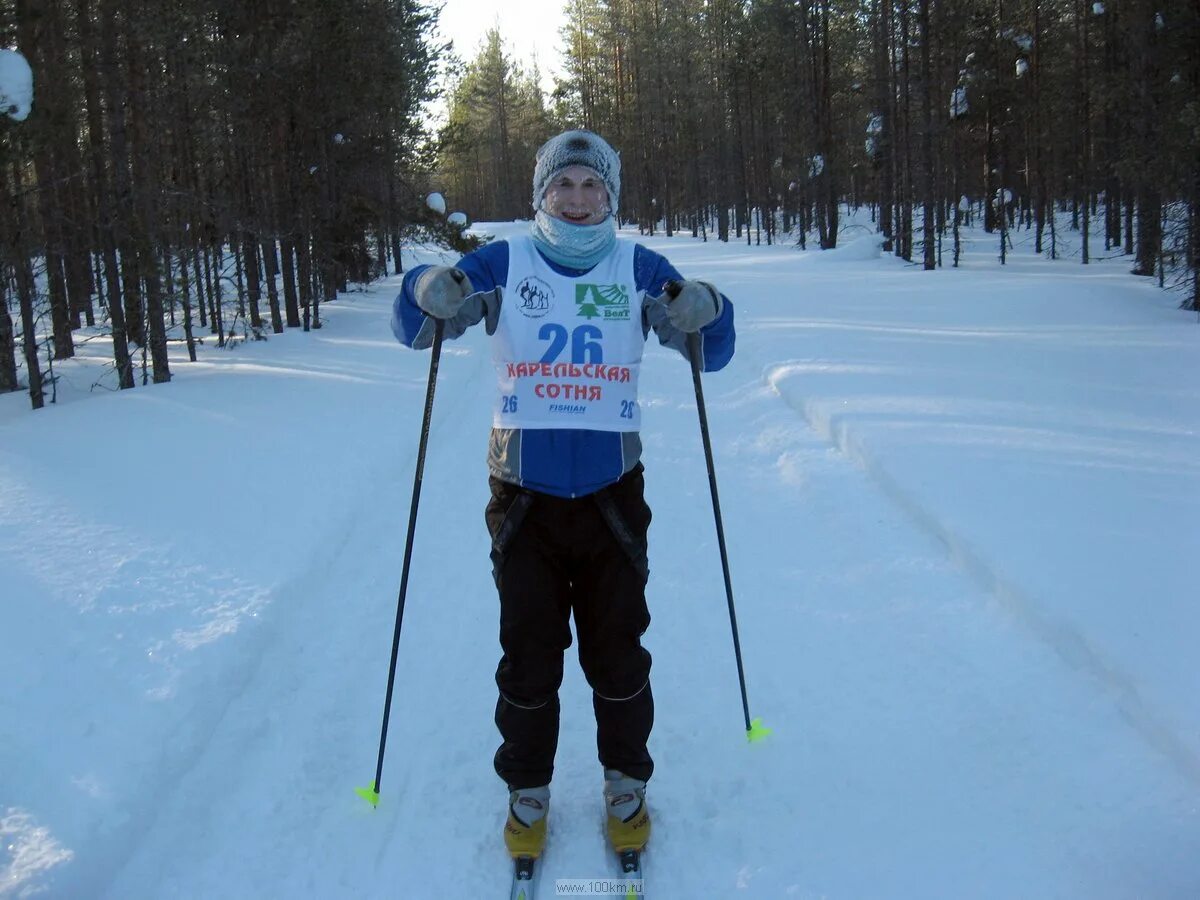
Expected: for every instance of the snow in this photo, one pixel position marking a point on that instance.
(457, 218)
(437, 203)
(958, 102)
(16, 85)
(961, 514)
(1020, 38)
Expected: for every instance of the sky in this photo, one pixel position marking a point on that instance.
(529, 27)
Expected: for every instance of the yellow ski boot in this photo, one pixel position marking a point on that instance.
(628, 815)
(525, 828)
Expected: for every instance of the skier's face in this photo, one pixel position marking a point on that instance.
(577, 195)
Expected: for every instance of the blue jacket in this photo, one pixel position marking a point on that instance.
(565, 462)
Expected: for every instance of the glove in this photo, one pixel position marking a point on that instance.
(441, 291)
(692, 304)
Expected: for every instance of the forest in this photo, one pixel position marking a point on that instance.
(219, 170)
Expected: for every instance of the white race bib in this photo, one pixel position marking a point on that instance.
(568, 350)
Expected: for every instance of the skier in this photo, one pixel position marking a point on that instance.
(568, 308)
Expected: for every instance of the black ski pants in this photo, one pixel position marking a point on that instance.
(553, 557)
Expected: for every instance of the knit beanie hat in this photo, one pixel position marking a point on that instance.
(577, 148)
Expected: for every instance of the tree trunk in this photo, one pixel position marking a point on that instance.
(25, 293)
(1149, 229)
(1194, 237)
(906, 143)
(186, 299)
(201, 303)
(884, 141)
(253, 278)
(118, 164)
(34, 21)
(216, 303)
(8, 251)
(1144, 50)
(8, 344)
(304, 264)
(271, 269)
(927, 188)
(145, 220)
(291, 301)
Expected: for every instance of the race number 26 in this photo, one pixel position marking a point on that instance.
(584, 340)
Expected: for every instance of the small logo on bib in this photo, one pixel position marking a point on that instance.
(602, 301)
(535, 297)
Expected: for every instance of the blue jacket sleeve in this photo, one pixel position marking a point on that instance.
(652, 271)
(487, 268)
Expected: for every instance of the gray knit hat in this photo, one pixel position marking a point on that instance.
(577, 148)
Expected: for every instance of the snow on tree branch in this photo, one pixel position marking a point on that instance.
(16, 85)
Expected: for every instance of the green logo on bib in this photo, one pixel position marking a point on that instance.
(602, 301)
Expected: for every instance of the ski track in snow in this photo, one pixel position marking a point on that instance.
(924, 745)
(1067, 641)
(314, 636)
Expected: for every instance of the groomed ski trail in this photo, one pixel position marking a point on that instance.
(917, 728)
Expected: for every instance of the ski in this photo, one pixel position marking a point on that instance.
(523, 885)
(630, 862)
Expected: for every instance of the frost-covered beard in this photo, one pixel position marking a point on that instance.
(574, 246)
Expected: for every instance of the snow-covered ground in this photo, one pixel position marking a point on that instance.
(962, 511)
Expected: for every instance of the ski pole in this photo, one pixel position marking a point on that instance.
(371, 794)
(755, 730)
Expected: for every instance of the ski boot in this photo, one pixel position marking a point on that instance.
(525, 828)
(628, 815)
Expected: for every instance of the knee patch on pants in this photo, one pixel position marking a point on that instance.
(536, 703)
(626, 699)
(619, 682)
